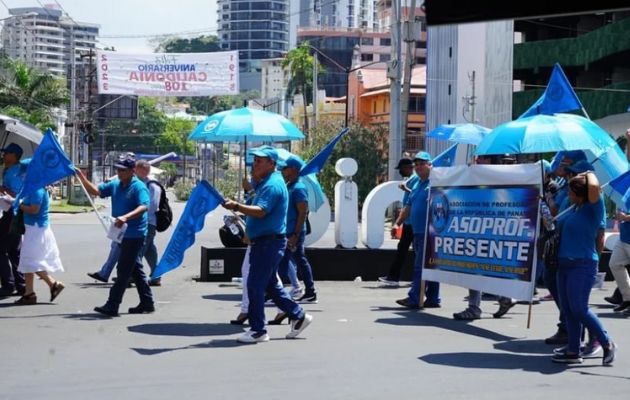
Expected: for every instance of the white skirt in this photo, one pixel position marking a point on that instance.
(39, 251)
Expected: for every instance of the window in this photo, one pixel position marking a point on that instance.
(417, 104)
(384, 57)
(366, 41)
(367, 57)
(386, 42)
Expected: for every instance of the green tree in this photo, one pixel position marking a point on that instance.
(367, 145)
(300, 64)
(200, 44)
(174, 136)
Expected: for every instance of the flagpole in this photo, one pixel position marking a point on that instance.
(98, 215)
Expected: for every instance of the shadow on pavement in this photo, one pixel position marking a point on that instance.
(185, 329)
(223, 297)
(529, 346)
(531, 363)
(218, 343)
(419, 318)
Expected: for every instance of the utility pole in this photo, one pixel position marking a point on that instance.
(410, 41)
(315, 83)
(471, 101)
(393, 73)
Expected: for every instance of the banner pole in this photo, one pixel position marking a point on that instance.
(98, 215)
(529, 315)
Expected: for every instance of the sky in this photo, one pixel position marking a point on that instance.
(134, 18)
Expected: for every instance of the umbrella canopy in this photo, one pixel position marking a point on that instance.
(617, 190)
(246, 124)
(20, 133)
(316, 196)
(609, 164)
(545, 134)
(460, 133)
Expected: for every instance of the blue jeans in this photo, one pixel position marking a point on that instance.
(432, 288)
(264, 257)
(575, 280)
(150, 251)
(288, 272)
(301, 262)
(130, 266)
(112, 259)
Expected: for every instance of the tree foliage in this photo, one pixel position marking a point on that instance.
(174, 135)
(200, 44)
(300, 64)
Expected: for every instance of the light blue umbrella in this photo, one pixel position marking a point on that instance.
(316, 196)
(544, 134)
(617, 190)
(243, 124)
(460, 133)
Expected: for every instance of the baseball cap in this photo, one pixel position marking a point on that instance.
(13, 149)
(403, 162)
(292, 161)
(126, 161)
(422, 155)
(579, 167)
(265, 151)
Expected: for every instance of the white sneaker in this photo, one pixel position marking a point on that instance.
(296, 293)
(387, 282)
(253, 337)
(297, 326)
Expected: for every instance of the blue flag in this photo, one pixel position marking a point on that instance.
(317, 163)
(558, 97)
(203, 199)
(446, 158)
(48, 165)
(617, 190)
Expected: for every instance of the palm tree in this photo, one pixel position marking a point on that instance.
(300, 64)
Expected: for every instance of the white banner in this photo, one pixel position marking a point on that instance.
(168, 74)
(483, 228)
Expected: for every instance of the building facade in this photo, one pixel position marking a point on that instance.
(44, 37)
(258, 30)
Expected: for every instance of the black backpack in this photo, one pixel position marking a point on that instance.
(163, 214)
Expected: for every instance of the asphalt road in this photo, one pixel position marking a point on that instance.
(360, 345)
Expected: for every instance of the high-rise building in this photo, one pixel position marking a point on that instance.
(44, 37)
(258, 29)
(338, 13)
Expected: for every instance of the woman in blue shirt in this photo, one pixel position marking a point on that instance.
(577, 267)
(39, 254)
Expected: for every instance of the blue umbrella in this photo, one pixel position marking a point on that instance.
(544, 134)
(617, 190)
(243, 124)
(460, 133)
(316, 196)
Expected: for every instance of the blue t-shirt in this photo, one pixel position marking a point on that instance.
(297, 194)
(419, 201)
(126, 199)
(410, 183)
(624, 232)
(579, 231)
(272, 196)
(40, 197)
(13, 178)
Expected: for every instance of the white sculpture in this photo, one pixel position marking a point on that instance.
(346, 204)
(373, 213)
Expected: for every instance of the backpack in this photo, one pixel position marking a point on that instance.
(163, 214)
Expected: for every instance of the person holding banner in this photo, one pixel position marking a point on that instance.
(130, 202)
(577, 268)
(417, 208)
(266, 228)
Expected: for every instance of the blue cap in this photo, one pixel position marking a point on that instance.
(13, 148)
(579, 167)
(266, 152)
(422, 155)
(126, 161)
(292, 161)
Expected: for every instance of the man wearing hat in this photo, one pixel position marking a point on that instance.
(417, 203)
(266, 228)
(296, 226)
(130, 202)
(12, 178)
(405, 168)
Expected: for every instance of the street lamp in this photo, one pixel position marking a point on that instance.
(348, 70)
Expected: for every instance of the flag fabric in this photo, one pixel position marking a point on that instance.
(617, 190)
(203, 199)
(446, 158)
(558, 97)
(48, 165)
(317, 163)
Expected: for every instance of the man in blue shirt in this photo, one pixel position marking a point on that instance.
(416, 206)
(130, 202)
(266, 230)
(12, 281)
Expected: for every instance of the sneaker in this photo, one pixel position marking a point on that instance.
(466, 315)
(253, 337)
(297, 293)
(407, 304)
(609, 354)
(560, 337)
(626, 312)
(298, 325)
(142, 309)
(615, 299)
(97, 277)
(621, 307)
(561, 350)
(591, 350)
(106, 311)
(387, 281)
(308, 298)
(566, 358)
(504, 307)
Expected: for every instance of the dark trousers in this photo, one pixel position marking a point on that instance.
(130, 266)
(303, 266)
(401, 253)
(10, 278)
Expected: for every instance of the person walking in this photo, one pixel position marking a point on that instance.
(405, 168)
(143, 169)
(266, 229)
(417, 208)
(130, 201)
(11, 280)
